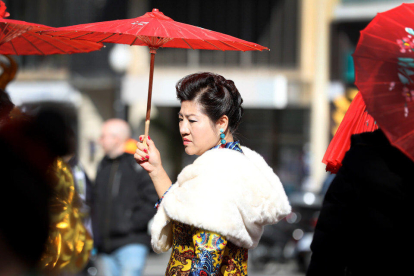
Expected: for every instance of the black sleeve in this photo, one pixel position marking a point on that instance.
(331, 237)
(145, 205)
(89, 191)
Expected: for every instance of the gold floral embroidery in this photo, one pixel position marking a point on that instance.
(199, 252)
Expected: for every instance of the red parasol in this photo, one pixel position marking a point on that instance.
(384, 61)
(356, 120)
(3, 13)
(22, 38)
(154, 30)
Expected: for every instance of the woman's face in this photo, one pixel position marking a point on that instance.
(199, 134)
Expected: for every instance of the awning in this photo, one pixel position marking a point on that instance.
(43, 91)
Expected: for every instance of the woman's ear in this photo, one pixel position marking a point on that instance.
(223, 123)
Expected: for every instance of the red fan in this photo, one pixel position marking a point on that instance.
(356, 120)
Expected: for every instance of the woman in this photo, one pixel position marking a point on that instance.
(219, 205)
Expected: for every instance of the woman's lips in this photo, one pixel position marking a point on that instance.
(186, 142)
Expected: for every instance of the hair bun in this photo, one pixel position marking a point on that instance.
(231, 88)
(234, 92)
(237, 101)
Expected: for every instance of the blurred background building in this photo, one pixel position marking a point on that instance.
(294, 95)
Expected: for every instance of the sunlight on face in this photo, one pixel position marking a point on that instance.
(199, 134)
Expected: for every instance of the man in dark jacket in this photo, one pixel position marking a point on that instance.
(124, 198)
(363, 225)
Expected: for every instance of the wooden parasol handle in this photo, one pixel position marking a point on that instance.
(153, 51)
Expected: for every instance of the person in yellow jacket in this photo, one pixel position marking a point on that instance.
(68, 245)
(43, 227)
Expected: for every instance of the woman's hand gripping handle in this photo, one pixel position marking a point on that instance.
(149, 158)
(148, 155)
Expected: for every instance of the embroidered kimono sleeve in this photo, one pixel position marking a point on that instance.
(209, 249)
(158, 203)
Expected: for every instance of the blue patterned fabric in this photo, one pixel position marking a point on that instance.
(230, 145)
(159, 200)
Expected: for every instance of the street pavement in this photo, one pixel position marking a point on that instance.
(156, 265)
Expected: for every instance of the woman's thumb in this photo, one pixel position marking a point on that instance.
(150, 143)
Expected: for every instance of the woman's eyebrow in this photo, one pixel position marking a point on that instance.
(179, 114)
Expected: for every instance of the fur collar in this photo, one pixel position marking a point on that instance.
(224, 191)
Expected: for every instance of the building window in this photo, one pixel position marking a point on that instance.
(271, 23)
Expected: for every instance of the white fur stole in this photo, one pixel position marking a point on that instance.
(226, 192)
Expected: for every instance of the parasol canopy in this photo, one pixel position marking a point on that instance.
(384, 68)
(155, 30)
(356, 120)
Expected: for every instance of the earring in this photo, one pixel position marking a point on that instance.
(222, 136)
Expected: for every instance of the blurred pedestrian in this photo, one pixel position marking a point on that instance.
(69, 243)
(43, 139)
(363, 225)
(24, 200)
(82, 183)
(83, 188)
(66, 245)
(219, 205)
(123, 205)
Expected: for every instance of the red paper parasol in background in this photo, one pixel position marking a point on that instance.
(3, 13)
(22, 38)
(154, 30)
(384, 65)
(356, 120)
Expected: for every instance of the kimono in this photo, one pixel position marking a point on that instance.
(201, 252)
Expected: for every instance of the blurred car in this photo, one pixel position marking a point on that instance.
(290, 238)
(305, 212)
(271, 245)
(308, 205)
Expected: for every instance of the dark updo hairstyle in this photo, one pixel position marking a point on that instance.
(215, 94)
